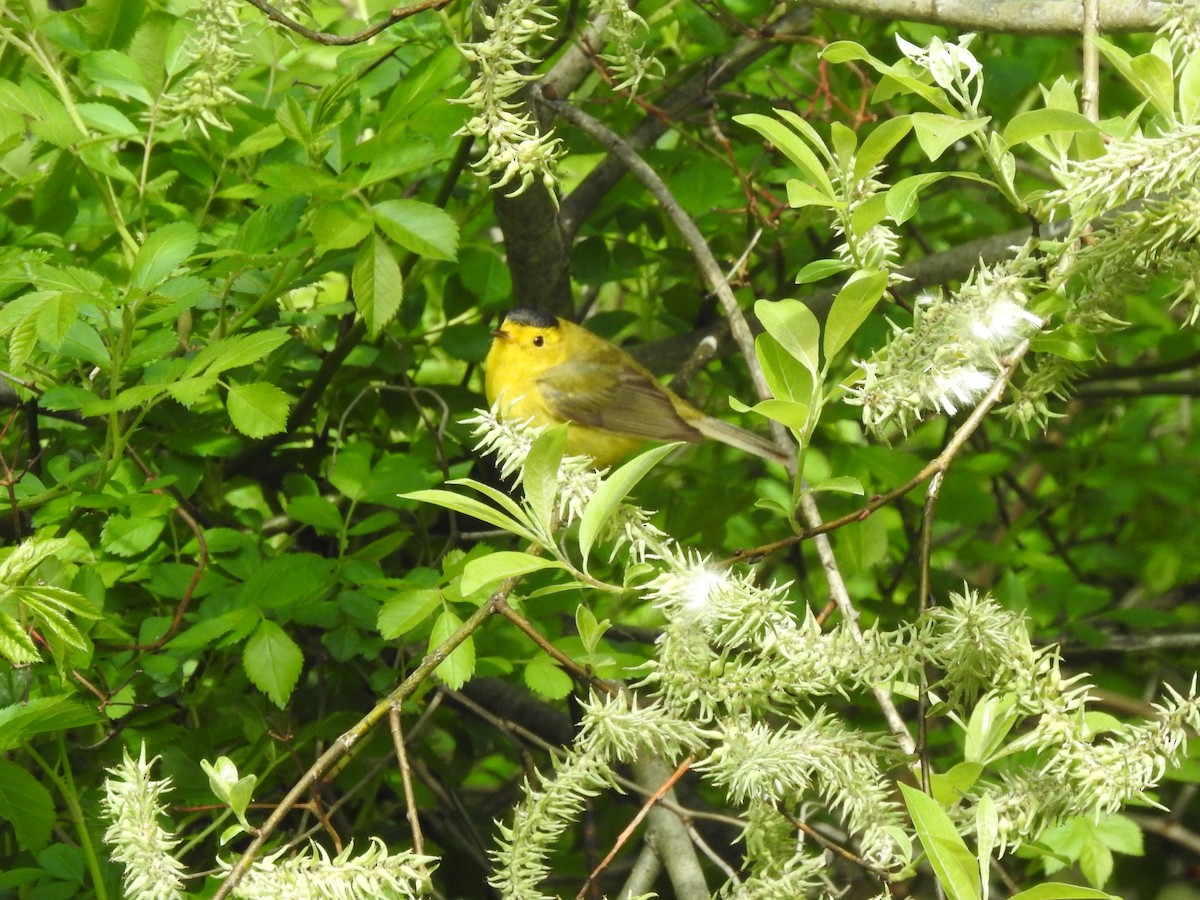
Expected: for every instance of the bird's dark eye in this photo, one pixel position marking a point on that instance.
(538, 341)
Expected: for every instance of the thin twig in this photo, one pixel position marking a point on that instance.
(339, 40)
(938, 464)
(410, 801)
(350, 738)
(624, 836)
(577, 671)
(924, 594)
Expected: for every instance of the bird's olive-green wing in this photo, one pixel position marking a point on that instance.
(614, 398)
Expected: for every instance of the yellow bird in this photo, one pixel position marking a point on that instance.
(548, 370)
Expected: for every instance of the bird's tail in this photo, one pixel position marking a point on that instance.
(740, 438)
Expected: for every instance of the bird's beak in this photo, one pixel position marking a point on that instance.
(500, 333)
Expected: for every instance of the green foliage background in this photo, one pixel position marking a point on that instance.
(228, 349)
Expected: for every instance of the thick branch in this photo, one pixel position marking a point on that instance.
(1011, 16)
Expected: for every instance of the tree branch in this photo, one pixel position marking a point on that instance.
(338, 40)
(1009, 16)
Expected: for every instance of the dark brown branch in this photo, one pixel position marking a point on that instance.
(338, 40)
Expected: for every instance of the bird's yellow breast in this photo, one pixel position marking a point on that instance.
(522, 353)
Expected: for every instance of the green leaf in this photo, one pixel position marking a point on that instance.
(850, 309)
(469, 506)
(612, 493)
(1071, 342)
(1189, 90)
(273, 662)
(795, 327)
(841, 484)
(259, 141)
(901, 198)
(590, 629)
(129, 536)
(457, 668)
(821, 269)
(786, 376)
(499, 565)
(952, 862)
(16, 646)
(879, 144)
(339, 225)
(55, 318)
(1152, 76)
(949, 787)
(539, 476)
(936, 132)
(162, 252)
(991, 721)
(38, 715)
(801, 194)
(115, 70)
(407, 610)
(378, 285)
(258, 409)
(794, 148)
(420, 228)
(1034, 123)
(543, 676)
(27, 805)
(788, 413)
(238, 350)
(319, 512)
(1056, 891)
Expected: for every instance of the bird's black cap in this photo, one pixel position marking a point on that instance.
(537, 318)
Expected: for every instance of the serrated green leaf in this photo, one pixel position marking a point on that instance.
(38, 715)
(543, 676)
(27, 805)
(163, 251)
(258, 409)
(129, 536)
(340, 225)
(55, 318)
(318, 512)
(496, 567)
(16, 646)
(406, 611)
(457, 668)
(378, 284)
(239, 350)
(952, 862)
(850, 309)
(117, 71)
(420, 228)
(273, 662)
